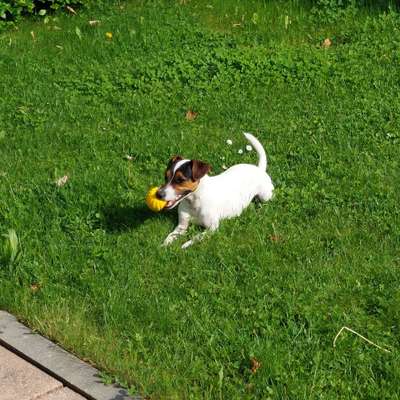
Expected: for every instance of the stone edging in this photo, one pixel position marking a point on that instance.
(58, 363)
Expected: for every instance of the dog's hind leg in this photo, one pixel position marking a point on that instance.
(181, 228)
(265, 193)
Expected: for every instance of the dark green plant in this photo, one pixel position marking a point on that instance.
(12, 10)
(332, 11)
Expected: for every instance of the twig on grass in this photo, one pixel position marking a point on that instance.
(361, 336)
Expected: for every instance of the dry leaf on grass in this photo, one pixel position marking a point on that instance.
(327, 43)
(70, 9)
(34, 287)
(94, 22)
(60, 182)
(191, 115)
(254, 365)
(33, 35)
(275, 238)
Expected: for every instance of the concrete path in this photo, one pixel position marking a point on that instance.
(34, 368)
(20, 380)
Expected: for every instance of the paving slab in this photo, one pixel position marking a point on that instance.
(62, 394)
(53, 360)
(21, 380)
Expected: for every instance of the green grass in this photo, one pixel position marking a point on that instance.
(277, 283)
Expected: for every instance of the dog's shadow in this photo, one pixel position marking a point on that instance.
(119, 218)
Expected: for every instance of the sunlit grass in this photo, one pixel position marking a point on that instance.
(271, 288)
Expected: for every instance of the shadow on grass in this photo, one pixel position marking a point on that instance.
(123, 218)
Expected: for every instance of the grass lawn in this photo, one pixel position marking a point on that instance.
(250, 313)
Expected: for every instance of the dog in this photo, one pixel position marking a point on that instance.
(206, 200)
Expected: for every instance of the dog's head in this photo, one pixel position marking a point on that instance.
(182, 177)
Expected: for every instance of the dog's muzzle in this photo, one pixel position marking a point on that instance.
(160, 194)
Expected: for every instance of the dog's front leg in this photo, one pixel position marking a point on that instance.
(181, 228)
(200, 236)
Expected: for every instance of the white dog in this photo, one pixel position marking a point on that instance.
(206, 200)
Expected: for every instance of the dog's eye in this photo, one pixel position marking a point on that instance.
(179, 179)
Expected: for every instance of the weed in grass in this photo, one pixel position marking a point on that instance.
(10, 252)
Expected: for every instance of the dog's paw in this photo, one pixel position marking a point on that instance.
(167, 242)
(187, 244)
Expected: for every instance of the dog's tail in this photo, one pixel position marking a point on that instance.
(262, 157)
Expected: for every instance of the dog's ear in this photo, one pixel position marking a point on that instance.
(173, 160)
(176, 158)
(199, 169)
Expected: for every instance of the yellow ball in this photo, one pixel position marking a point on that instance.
(152, 202)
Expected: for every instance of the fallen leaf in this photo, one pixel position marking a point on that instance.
(254, 365)
(327, 43)
(191, 115)
(275, 238)
(70, 9)
(109, 35)
(33, 35)
(94, 22)
(34, 287)
(60, 182)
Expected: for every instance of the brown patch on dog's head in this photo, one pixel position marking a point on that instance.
(187, 176)
(184, 179)
(175, 159)
(193, 170)
(199, 169)
(170, 167)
